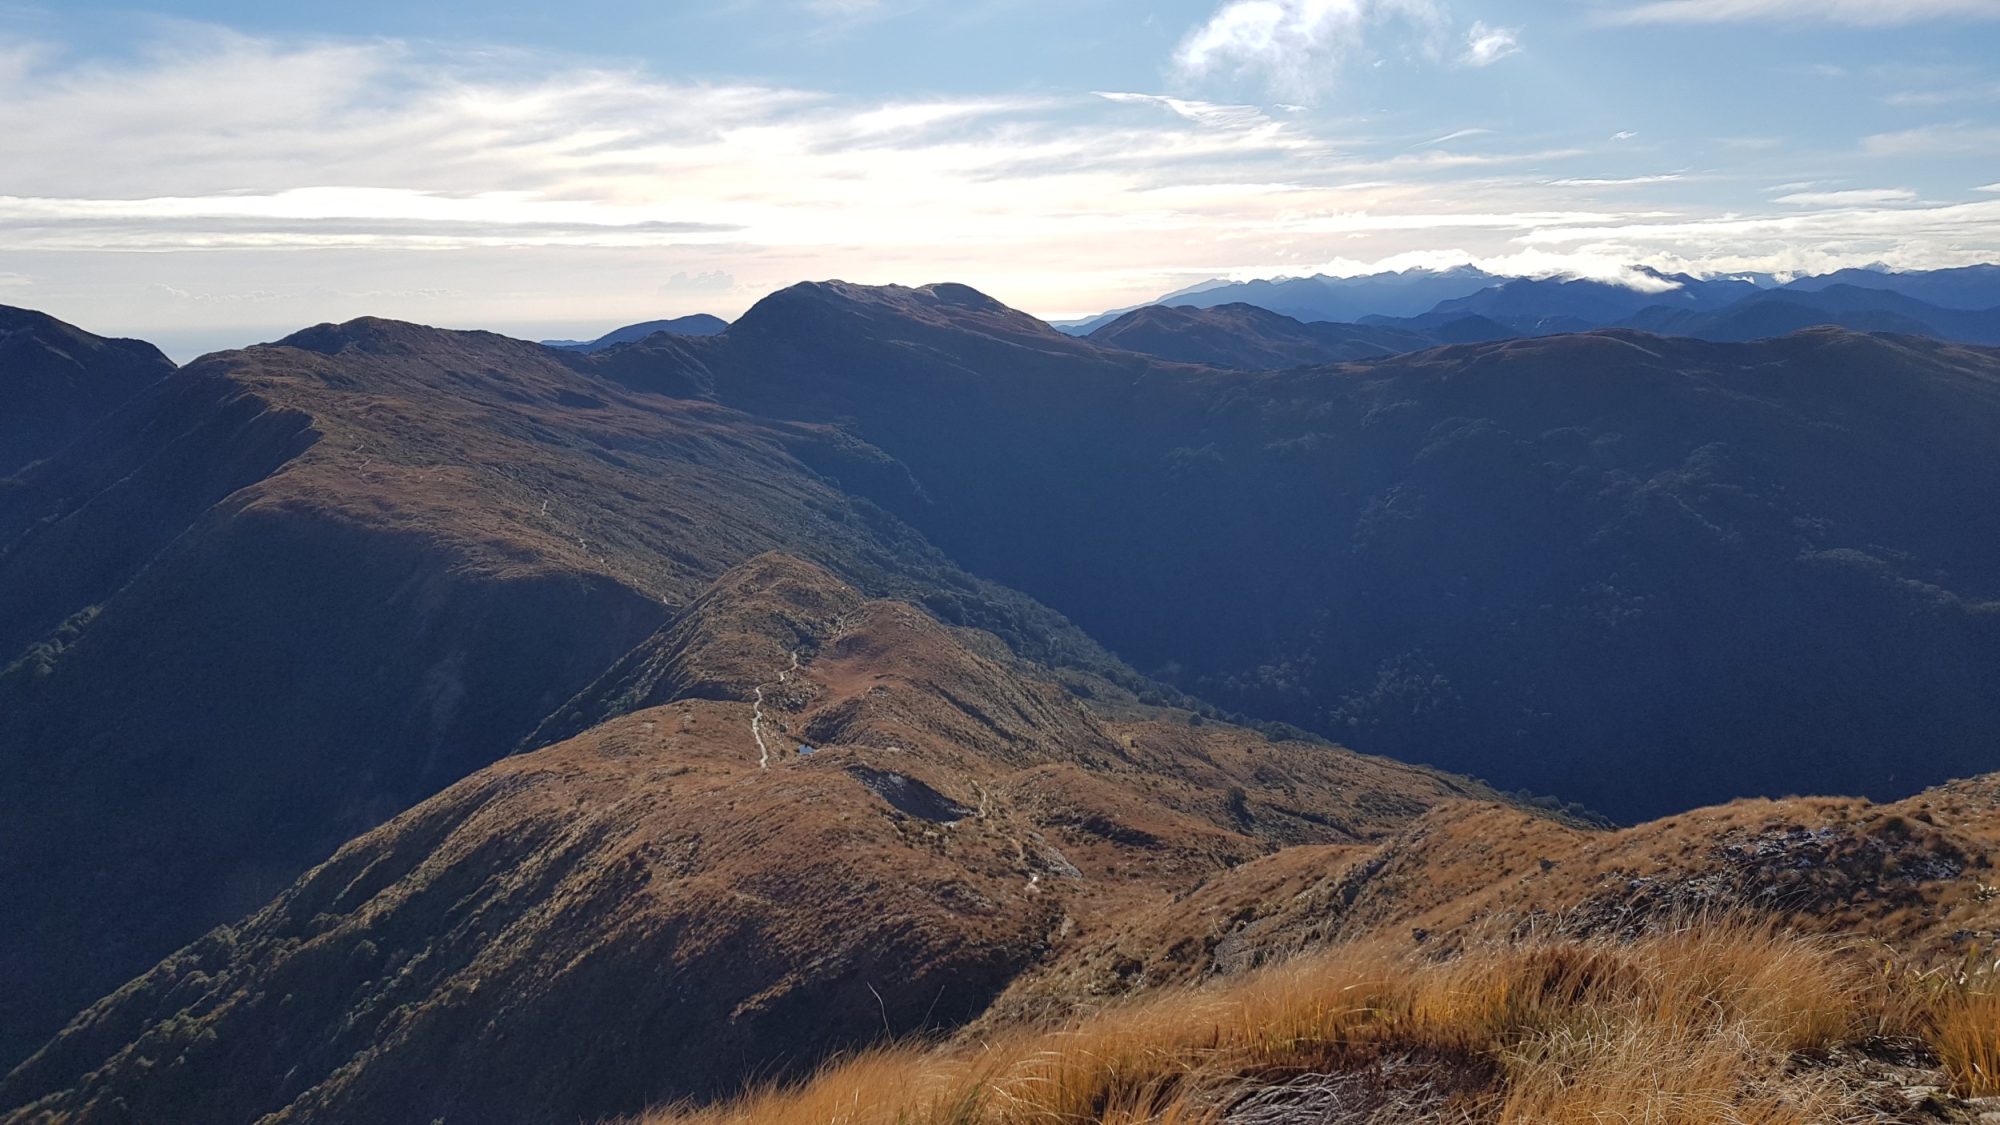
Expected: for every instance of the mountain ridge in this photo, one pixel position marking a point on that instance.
(1960, 304)
(365, 564)
(666, 905)
(60, 380)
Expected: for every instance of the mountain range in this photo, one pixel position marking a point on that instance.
(1961, 305)
(401, 725)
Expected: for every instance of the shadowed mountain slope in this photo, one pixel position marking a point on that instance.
(681, 898)
(56, 380)
(1642, 573)
(291, 590)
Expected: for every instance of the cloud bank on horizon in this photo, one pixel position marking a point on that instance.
(213, 173)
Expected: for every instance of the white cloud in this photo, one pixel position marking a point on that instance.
(1863, 13)
(1213, 114)
(1456, 135)
(1625, 181)
(282, 183)
(1936, 140)
(1988, 187)
(1624, 135)
(1485, 45)
(15, 280)
(1855, 198)
(1916, 237)
(1299, 46)
(1520, 263)
(1917, 99)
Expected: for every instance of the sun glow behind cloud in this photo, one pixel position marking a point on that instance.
(315, 179)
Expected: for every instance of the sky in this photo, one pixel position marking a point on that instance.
(210, 173)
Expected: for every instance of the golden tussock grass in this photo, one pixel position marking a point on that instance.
(1705, 1023)
(1957, 1009)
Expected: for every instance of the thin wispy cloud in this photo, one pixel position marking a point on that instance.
(1952, 95)
(1958, 138)
(1861, 197)
(1620, 181)
(1214, 114)
(1860, 13)
(1456, 135)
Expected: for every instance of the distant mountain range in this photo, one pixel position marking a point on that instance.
(700, 324)
(1962, 305)
(1338, 299)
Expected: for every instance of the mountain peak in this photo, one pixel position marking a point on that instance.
(367, 334)
(697, 324)
(820, 310)
(56, 380)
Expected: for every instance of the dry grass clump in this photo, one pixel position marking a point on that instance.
(1957, 1008)
(1706, 1023)
(1968, 1039)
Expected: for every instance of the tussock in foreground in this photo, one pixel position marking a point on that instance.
(1703, 1023)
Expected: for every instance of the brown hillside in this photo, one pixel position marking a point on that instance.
(1795, 962)
(1917, 876)
(679, 899)
(292, 590)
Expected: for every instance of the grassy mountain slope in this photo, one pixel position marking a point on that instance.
(1789, 963)
(679, 899)
(1645, 574)
(295, 589)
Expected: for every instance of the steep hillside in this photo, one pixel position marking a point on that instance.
(56, 380)
(1789, 963)
(1916, 877)
(292, 590)
(812, 818)
(1251, 338)
(1644, 574)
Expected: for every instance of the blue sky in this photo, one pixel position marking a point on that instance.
(211, 173)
